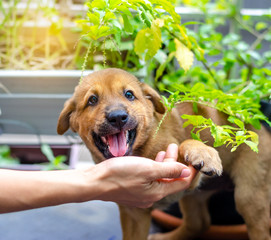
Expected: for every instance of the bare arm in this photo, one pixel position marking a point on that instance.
(132, 181)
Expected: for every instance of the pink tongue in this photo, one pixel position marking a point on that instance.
(117, 144)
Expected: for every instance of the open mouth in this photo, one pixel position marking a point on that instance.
(115, 145)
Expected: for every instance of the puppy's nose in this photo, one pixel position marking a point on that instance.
(117, 118)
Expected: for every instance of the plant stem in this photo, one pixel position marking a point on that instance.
(207, 67)
(85, 62)
(160, 123)
(248, 28)
(259, 39)
(236, 89)
(104, 53)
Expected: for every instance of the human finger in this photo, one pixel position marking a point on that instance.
(168, 170)
(160, 156)
(180, 184)
(171, 153)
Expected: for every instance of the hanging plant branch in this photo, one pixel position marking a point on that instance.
(159, 20)
(240, 111)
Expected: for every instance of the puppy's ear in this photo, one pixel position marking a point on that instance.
(151, 94)
(64, 117)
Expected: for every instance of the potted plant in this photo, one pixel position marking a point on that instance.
(38, 157)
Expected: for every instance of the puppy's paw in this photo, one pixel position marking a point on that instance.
(201, 157)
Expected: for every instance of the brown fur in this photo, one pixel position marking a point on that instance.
(249, 171)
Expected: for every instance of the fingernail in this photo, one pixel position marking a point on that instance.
(185, 173)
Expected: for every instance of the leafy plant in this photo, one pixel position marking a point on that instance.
(240, 110)
(55, 163)
(6, 159)
(149, 38)
(112, 20)
(234, 83)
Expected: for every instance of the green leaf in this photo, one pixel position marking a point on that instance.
(240, 133)
(239, 123)
(147, 42)
(198, 87)
(254, 55)
(254, 137)
(234, 148)
(127, 25)
(125, 10)
(260, 26)
(169, 8)
(217, 133)
(114, 3)
(47, 151)
(105, 31)
(60, 159)
(252, 145)
(195, 108)
(100, 4)
(195, 136)
(162, 67)
(195, 120)
(184, 55)
(109, 16)
(4, 150)
(5, 157)
(144, 17)
(93, 32)
(93, 18)
(255, 123)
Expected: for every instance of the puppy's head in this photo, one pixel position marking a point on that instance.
(112, 112)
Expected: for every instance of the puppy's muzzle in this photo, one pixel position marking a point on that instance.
(116, 135)
(117, 118)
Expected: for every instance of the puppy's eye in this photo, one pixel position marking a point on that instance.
(92, 100)
(129, 95)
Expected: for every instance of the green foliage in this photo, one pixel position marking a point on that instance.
(148, 42)
(172, 52)
(6, 158)
(55, 163)
(240, 110)
(237, 106)
(239, 71)
(228, 135)
(147, 22)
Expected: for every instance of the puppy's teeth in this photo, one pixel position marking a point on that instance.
(127, 138)
(104, 140)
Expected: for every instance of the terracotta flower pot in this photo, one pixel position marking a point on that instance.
(215, 232)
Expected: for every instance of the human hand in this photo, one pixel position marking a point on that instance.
(139, 182)
(171, 155)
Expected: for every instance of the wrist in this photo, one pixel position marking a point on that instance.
(92, 183)
(100, 182)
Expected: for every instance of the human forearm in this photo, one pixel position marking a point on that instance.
(133, 181)
(22, 190)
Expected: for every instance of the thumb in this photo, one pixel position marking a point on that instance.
(173, 186)
(170, 170)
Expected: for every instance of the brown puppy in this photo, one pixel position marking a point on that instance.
(116, 115)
